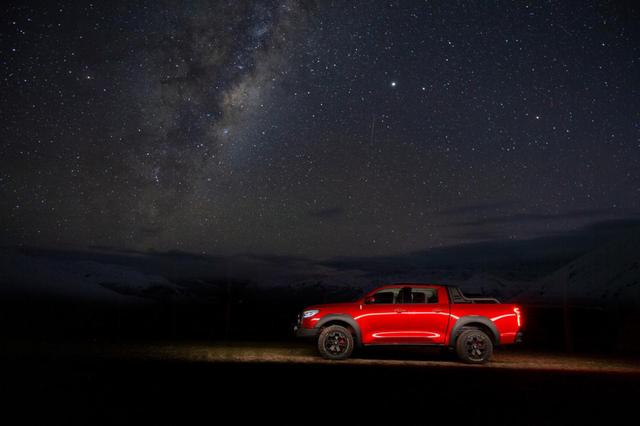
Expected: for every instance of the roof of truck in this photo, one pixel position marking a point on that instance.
(403, 284)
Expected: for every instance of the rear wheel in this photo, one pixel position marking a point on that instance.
(335, 342)
(474, 346)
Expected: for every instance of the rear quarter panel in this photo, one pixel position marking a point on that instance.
(502, 316)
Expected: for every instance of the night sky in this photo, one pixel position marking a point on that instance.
(319, 129)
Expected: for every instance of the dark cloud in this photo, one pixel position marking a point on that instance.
(478, 235)
(559, 247)
(475, 208)
(520, 218)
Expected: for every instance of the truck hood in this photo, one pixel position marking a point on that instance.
(331, 306)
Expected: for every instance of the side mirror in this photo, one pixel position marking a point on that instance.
(369, 300)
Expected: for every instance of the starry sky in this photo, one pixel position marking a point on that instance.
(319, 129)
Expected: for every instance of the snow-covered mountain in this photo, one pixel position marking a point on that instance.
(122, 277)
(79, 280)
(609, 275)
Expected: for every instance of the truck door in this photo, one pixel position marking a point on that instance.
(425, 315)
(380, 319)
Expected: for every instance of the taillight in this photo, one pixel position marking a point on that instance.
(516, 310)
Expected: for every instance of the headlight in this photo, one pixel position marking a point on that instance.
(310, 313)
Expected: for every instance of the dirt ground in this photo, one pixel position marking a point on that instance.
(287, 383)
(305, 353)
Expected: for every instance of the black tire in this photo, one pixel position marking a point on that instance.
(474, 346)
(335, 342)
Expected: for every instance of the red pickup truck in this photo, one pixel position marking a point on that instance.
(413, 314)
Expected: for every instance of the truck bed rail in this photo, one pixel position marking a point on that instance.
(456, 296)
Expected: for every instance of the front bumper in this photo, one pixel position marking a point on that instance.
(305, 332)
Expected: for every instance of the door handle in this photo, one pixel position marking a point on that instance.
(399, 310)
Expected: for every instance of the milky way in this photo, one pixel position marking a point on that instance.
(315, 128)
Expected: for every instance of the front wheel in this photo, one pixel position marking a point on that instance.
(335, 342)
(474, 346)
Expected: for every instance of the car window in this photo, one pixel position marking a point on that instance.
(385, 296)
(423, 295)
